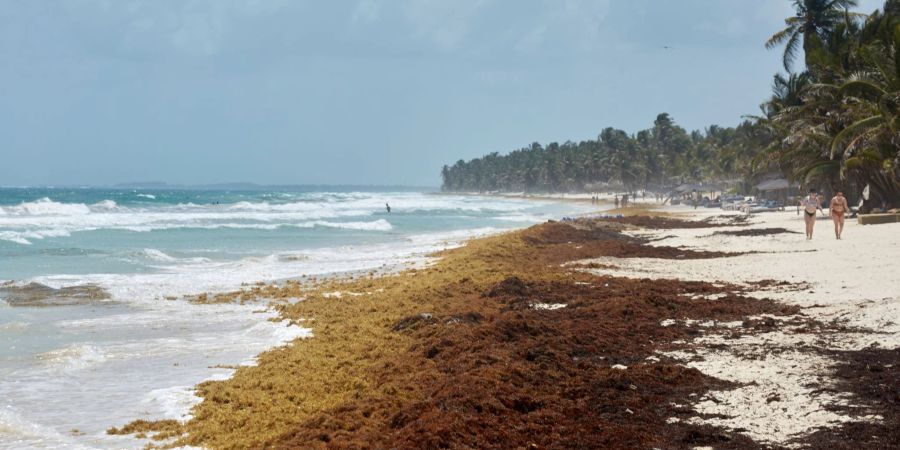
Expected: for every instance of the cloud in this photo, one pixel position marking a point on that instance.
(478, 26)
(445, 23)
(192, 27)
(587, 15)
(728, 27)
(578, 21)
(200, 28)
(533, 38)
(366, 11)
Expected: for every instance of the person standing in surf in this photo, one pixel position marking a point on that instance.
(810, 205)
(837, 208)
(387, 207)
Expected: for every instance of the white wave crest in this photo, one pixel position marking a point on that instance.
(377, 225)
(14, 237)
(47, 207)
(277, 207)
(157, 255)
(104, 205)
(27, 434)
(149, 196)
(24, 223)
(22, 237)
(73, 357)
(14, 327)
(160, 256)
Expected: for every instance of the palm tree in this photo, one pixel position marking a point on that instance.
(787, 92)
(871, 143)
(813, 22)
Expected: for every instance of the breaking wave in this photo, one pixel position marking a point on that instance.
(45, 218)
(46, 207)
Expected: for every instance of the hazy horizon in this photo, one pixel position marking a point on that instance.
(363, 92)
(151, 185)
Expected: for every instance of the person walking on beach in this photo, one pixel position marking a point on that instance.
(837, 208)
(617, 200)
(810, 205)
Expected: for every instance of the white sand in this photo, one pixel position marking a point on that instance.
(854, 282)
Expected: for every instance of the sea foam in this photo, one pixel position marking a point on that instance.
(73, 357)
(47, 207)
(158, 255)
(44, 218)
(137, 356)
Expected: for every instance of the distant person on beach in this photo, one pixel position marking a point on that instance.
(838, 207)
(624, 200)
(617, 200)
(810, 205)
(388, 207)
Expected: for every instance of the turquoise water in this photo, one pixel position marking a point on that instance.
(82, 231)
(137, 355)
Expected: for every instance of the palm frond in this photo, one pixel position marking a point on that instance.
(854, 128)
(778, 38)
(897, 51)
(818, 169)
(864, 89)
(791, 48)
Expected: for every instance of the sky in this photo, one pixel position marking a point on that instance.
(97, 92)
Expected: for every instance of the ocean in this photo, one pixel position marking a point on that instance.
(94, 327)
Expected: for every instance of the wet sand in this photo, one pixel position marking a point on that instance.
(628, 333)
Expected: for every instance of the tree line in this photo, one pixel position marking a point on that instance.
(834, 123)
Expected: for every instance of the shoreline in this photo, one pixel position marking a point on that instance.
(578, 197)
(187, 341)
(360, 377)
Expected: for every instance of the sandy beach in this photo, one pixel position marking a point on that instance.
(699, 329)
(850, 292)
(409, 225)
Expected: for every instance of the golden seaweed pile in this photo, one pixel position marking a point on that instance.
(418, 358)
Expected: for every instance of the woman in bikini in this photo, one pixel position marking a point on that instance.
(810, 205)
(838, 208)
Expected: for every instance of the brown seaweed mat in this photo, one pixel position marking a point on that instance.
(496, 345)
(873, 376)
(756, 232)
(671, 223)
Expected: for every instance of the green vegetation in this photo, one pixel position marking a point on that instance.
(835, 124)
(660, 156)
